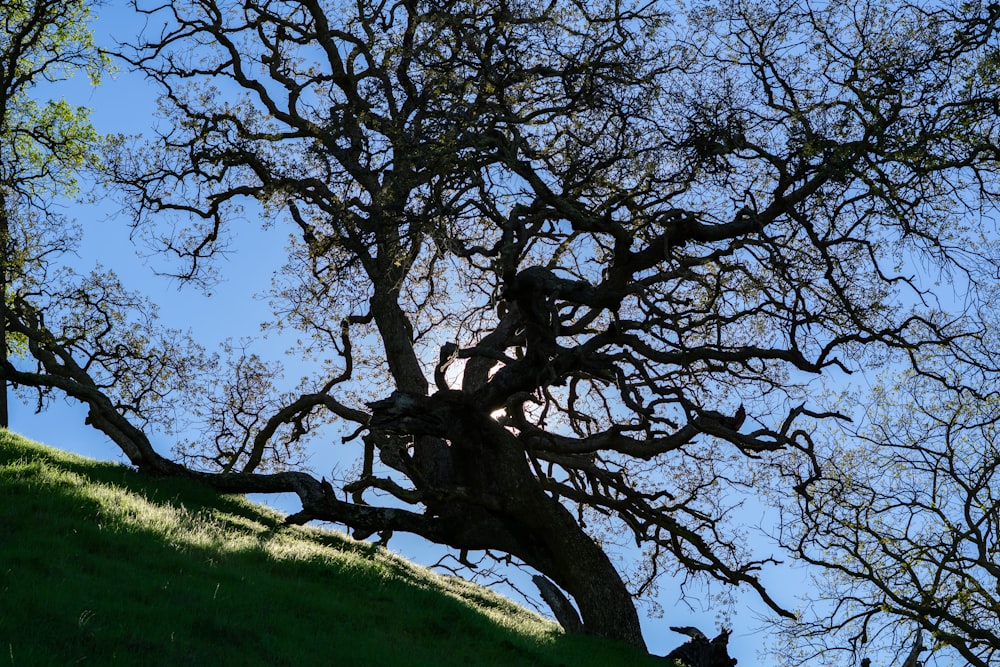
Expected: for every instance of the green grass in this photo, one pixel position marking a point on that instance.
(102, 566)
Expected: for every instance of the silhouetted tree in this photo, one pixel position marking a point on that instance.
(568, 272)
(904, 522)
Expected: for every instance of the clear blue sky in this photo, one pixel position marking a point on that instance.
(126, 104)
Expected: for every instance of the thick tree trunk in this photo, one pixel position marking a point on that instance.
(490, 461)
(559, 548)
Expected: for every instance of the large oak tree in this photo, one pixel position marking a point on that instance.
(565, 271)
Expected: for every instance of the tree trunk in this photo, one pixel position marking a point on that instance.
(560, 549)
(491, 462)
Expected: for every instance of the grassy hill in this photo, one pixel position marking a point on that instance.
(101, 566)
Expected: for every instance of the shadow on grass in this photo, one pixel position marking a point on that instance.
(101, 565)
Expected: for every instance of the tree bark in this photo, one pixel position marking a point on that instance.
(561, 607)
(559, 548)
(503, 498)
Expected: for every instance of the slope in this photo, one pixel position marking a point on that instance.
(102, 566)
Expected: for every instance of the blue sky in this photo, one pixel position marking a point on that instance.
(126, 103)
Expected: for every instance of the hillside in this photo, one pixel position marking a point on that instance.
(101, 566)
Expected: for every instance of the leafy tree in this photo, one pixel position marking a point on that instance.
(43, 144)
(904, 522)
(569, 273)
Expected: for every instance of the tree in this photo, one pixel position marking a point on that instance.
(905, 522)
(43, 145)
(565, 272)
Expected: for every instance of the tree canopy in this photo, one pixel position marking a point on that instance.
(44, 143)
(576, 275)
